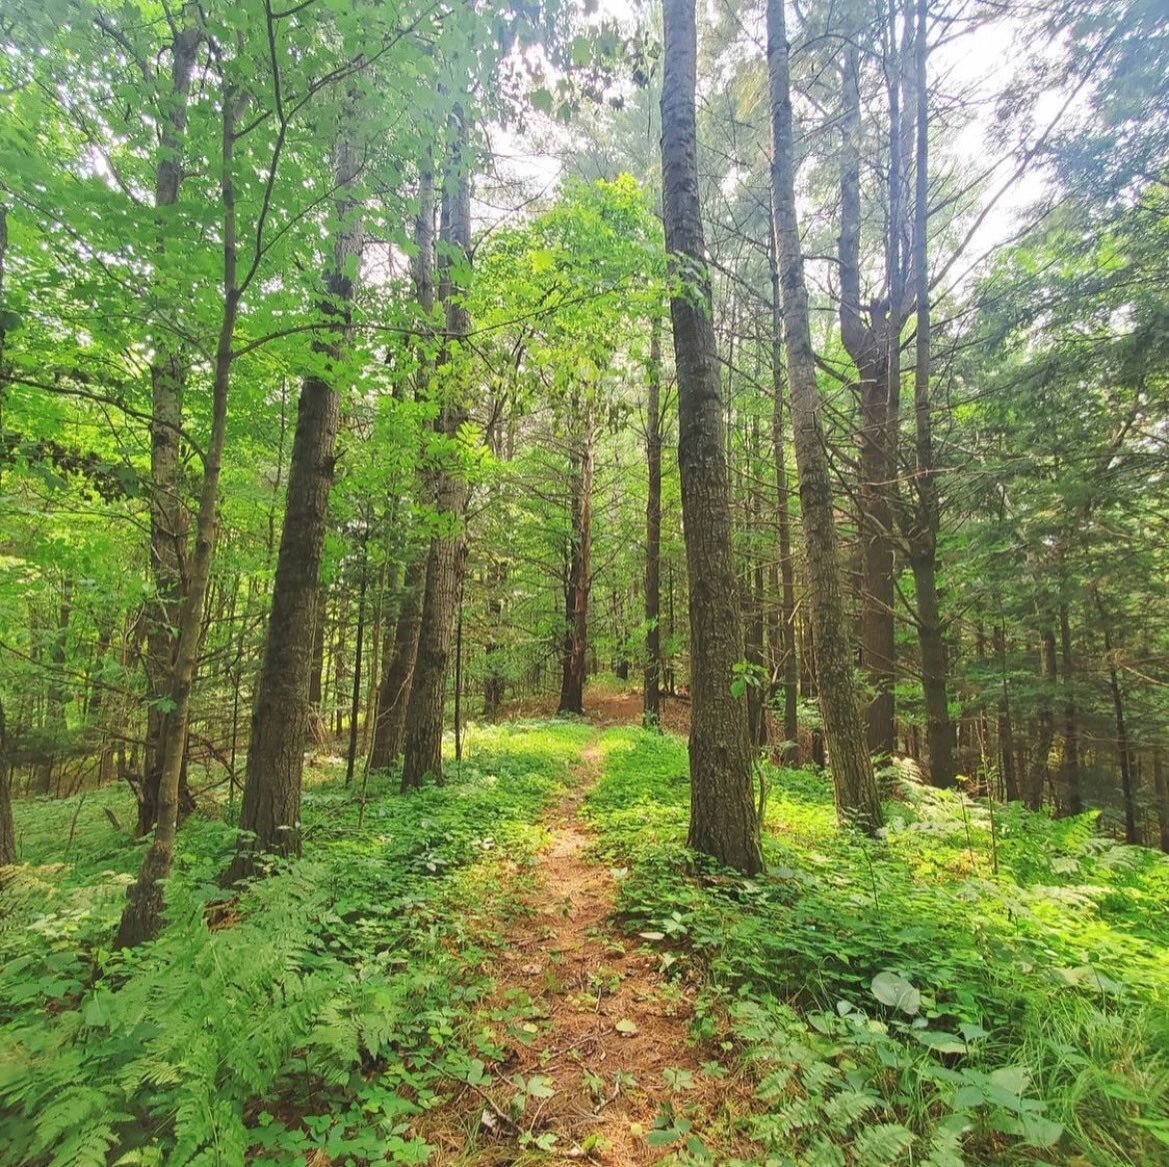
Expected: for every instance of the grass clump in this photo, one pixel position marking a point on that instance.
(962, 990)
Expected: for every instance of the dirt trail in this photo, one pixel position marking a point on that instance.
(607, 1029)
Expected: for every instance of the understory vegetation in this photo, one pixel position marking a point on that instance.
(979, 984)
(976, 985)
(320, 1010)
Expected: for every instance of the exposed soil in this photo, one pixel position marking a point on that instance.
(601, 1022)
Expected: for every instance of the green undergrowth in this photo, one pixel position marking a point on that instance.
(323, 1011)
(962, 990)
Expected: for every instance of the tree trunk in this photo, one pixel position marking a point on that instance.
(579, 578)
(393, 698)
(786, 664)
(168, 512)
(852, 771)
(923, 533)
(651, 690)
(398, 671)
(318, 731)
(445, 559)
(270, 809)
(753, 594)
(723, 819)
(867, 343)
(1161, 793)
(7, 830)
(1071, 734)
(1039, 772)
(1123, 751)
(142, 917)
(355, 704)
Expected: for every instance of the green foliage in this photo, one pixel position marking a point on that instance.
(899, 1000)
(322, 1011)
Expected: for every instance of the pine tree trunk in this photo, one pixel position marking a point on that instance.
(447, 554)
(786, 662)
(723, 820)
(1039, 772)
(579, 581)
(856, 789)
(270, 809)
(1071, 733)
(1161, 793)
(867, 343)
(923, 533)
(7, 829)
(652, 687)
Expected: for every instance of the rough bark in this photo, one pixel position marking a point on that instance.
(652, 686)
(785, 664)
(1039, 772)
(355, 702)
(142, 917)
(168, 510)
(270, 809)
(923, 532)
(578, 579)
(852, 771)
(1071, 733)
(1006, 734)
(723, 820)
(754, 606)
(398, 671)
(1161, 793)
(446, 556)
(399, 659)
(7, 830)
(1124, 759)
(867, 341)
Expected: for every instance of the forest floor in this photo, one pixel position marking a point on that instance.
(527, 966)
(609, 1044)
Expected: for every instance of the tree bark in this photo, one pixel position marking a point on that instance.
(355, 703)
(398, 671)
(447, 554)
(7, 829)
(867, 342)
(923, 532)
(1161, 793)
(852, 771)
(398, 663)
(1039, 771)
(1123, 750)
(579, 574)
(142, 916)
(270, 809)
(652, 687)
(723, 819)
(1071, 733)
(786, 663)
(168, 511)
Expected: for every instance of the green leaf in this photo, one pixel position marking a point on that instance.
(895, 991)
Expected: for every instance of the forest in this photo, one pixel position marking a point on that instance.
(584, 580)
